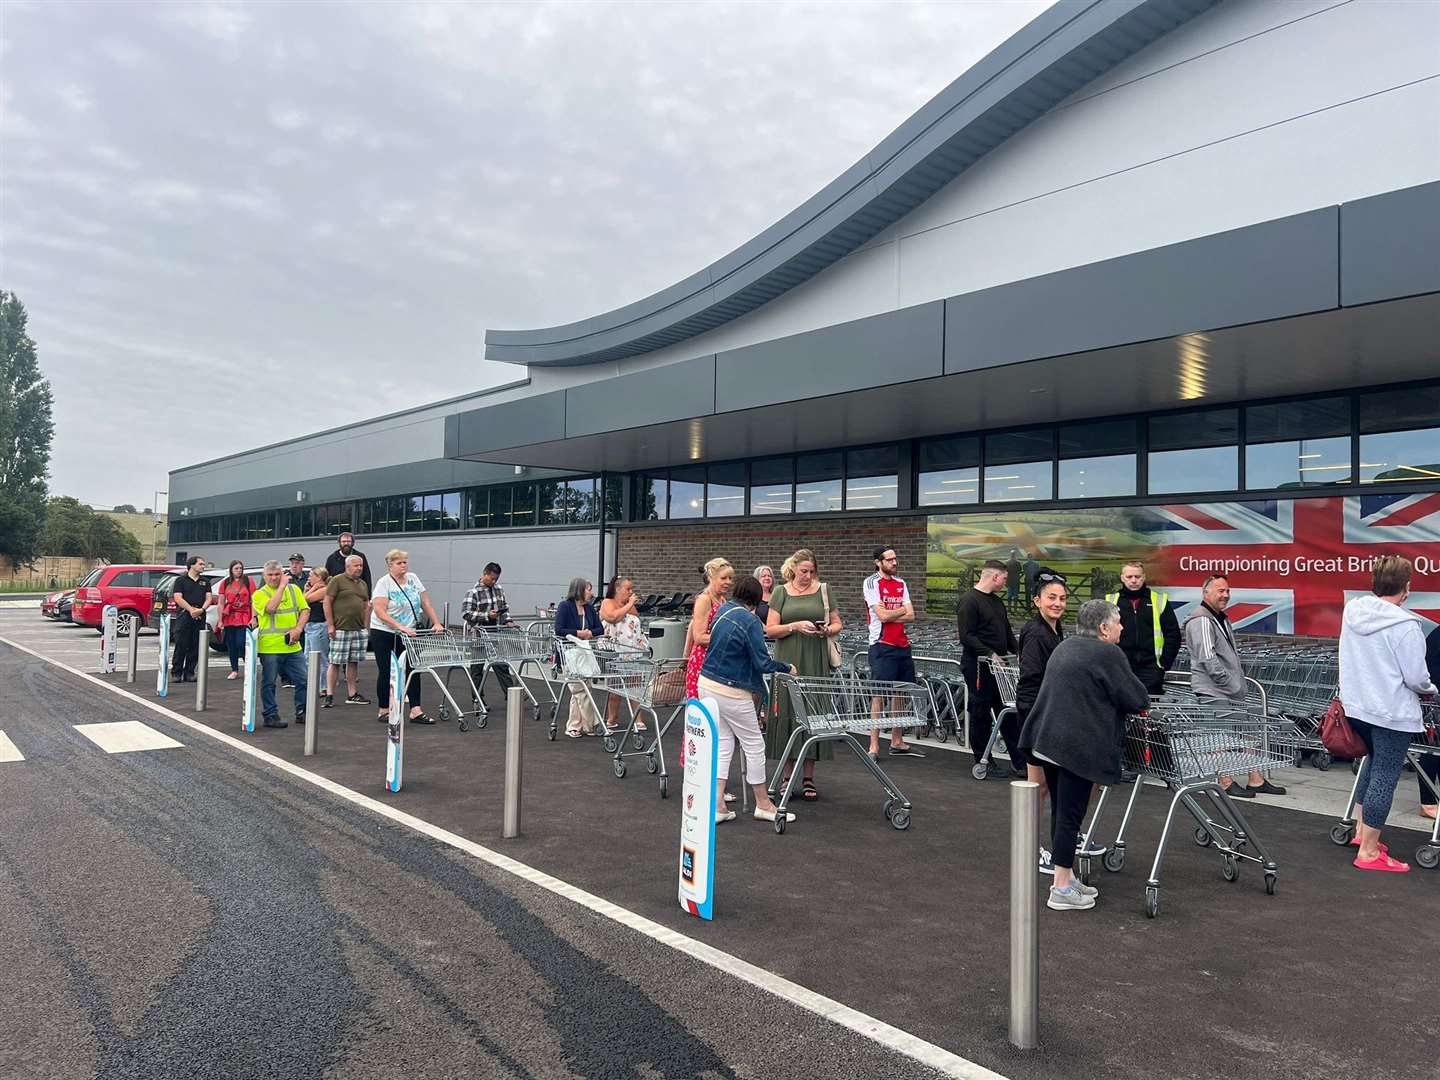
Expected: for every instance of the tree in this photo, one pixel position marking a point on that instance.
(126, 508)
(26, 429)
(147, 510)
(73, 529)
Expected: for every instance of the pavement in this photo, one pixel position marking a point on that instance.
(906, 927)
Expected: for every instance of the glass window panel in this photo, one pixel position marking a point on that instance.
(772, 482)
(1318, 418)
(1400, 455)
(552, 502)
(1092, 477)
(946, 487)
(872, 461)
(580, 494)
(812, 467)
(500, 504)
(614, 498)
(1214, 468)
(306, 526)
(1018, 481)
(1396, 410)
(871, 482)
(433, 512)
(1181, 431)
(939, 455)
(1299, 463)
(725, 490)
(477, 508)
(1019, 447)
(230, 527)
(652, 497)
(342, 518)
(395, 513)
(687, 492)
(1101, 438)
(522, 504)
(365, 516)
(414, 513)
(450, 510)
(817, 482)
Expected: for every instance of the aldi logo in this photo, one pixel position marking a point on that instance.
(687, 865)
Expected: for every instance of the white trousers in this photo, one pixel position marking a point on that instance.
(736, 720)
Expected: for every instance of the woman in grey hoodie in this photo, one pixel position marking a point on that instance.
(1382, 677)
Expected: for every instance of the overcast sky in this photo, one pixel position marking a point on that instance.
(332, 202)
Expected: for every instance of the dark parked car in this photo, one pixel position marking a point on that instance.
(50, 606)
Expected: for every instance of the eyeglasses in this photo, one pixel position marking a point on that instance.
(1052, 579)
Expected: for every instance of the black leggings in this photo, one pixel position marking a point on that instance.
(387, 645)
(1069, 799)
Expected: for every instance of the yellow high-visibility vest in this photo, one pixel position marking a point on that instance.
(272, 627)
(1158, 603)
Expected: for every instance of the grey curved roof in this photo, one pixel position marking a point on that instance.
(1062, 50)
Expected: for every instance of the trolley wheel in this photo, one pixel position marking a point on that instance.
(609, 743)
(651, 765)
(444, 712)
(1114, 860)
(900, 819)
(464, 724)
(779, 824)
(1083, 869)
(941, 732)
(1340, 833)
(664, 787)
(551, 733)
(639, 740)
(1428, 856)
(1230, 869)
(1269, 882)
(1202, 836)
(1322, 760)
(979, 770)
(482, 720)
(619, 767)
(1152, 901)
(889, 809)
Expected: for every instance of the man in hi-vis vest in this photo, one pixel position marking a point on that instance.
(1149, 631)
(280, 615)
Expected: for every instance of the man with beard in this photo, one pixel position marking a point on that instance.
(336, 562)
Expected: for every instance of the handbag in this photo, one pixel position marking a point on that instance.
(832, 645)
(1338, 736)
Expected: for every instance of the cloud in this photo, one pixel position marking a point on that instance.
(219, 22)
(76, 97)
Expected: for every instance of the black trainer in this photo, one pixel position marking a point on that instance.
(357, 699)
(276, 722)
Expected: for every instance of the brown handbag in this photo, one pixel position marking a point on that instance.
(1338, 736)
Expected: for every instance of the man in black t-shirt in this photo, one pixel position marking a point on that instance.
(192, 597)
(336, 561)
(983, 625)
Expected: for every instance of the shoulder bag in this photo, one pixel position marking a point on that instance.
(832, 645)
(1338, 736)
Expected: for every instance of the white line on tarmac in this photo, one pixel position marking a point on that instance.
(126, 736)
(8, 750)
(892, 1038)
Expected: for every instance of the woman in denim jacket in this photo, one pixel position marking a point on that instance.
(735, 667)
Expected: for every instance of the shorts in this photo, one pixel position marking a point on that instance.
(891, 663)
(348, 647)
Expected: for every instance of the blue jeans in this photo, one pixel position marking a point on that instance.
(317, 639)
(292, 666)
(235, 645)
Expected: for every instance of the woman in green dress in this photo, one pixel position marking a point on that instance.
(800, 624)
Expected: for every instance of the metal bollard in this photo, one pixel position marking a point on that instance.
(132, 655)
(514, 759)
(202, 671)
(1024, 915)
(312, 700)
(445, 618)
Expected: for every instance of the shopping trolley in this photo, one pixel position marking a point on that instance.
(1423, 744)
(1006, 670)
(1189, 747)
(944, 678)
(648, 688)
(603, 665)
(830, 709)
(525, 654)
(1299, 684)
(439, 650)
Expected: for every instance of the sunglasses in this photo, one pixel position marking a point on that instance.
(1051, 579)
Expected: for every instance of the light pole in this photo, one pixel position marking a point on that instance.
(155, 527)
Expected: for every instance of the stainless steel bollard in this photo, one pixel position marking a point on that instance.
(514, 759)
(445, 618)
(312, 700)
(202, 671)
(1024, 915)
(132, 653)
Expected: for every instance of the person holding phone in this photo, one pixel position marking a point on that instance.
(395, 610)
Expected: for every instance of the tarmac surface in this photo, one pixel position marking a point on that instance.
(226, 885)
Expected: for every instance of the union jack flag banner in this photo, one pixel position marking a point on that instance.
(1292, 563)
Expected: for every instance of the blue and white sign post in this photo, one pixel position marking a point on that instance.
(162, 675)
(109, 619)
(697, 810)
(395, 743)
(250, 687)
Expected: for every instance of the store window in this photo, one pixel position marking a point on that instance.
(581, 505)
(725, 490)
(1194, 451)
(817, 482)
(477, 508)
(949, 471)
(872, 478)
(1098, 459)
(522, 505)
(687, 492)
(652, 497)
(1399, 436)
(1019, 466)
(1298, 444)
(772, 486)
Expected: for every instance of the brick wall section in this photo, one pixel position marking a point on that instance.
(666, 558)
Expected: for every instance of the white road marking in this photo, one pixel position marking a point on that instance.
(893, 1038)
(8, 750)
(126, 737)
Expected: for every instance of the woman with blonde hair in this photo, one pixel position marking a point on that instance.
(719, 576)
(766, 577)
(802, 616)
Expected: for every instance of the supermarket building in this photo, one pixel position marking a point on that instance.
(1155, 277)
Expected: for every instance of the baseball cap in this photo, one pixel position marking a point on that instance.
(297, 555)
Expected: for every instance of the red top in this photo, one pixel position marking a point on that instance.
(235, 601)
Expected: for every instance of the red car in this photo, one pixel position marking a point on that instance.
(128, 587)
(50, 606)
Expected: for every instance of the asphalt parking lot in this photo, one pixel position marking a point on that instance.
(910, 927)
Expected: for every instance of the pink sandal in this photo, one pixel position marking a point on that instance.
(1383, 863)
(1384, 848)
